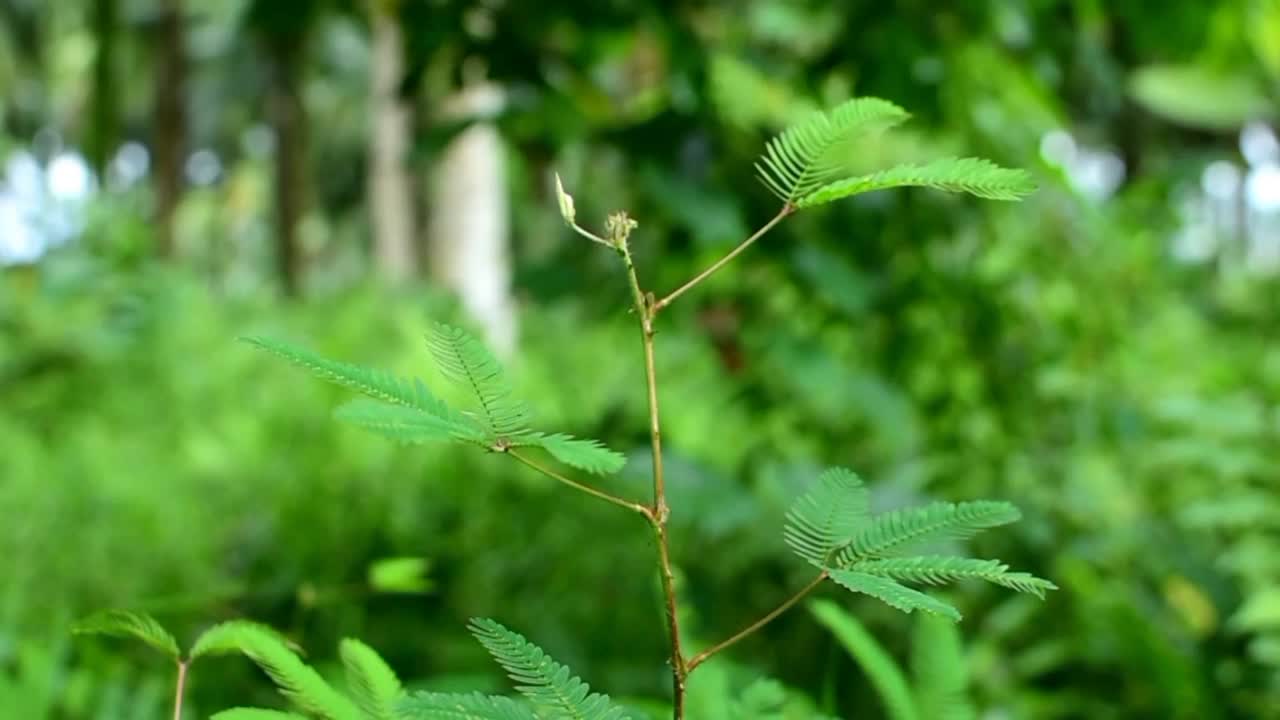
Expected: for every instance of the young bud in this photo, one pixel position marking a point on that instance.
(566, 202)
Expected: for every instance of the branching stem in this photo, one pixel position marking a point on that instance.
(786, 605)
(782, 214)
(644, 308)
(621, 502)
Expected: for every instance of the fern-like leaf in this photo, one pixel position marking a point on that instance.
(547, 683)
(892, 593)
(125, 624)
(376, 384)
(255, 714)
(466, 361)
(938, 570)
(809, 154)
(373, 683)
(895, 532)
(229, 637)
(473, 706)
(827, 516)
(296, 680)
(584, 454)
(409, 424)
(975, 176)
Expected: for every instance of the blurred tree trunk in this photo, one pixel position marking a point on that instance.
(390, 185)
(170, 121)
(283, 29)
(468, 232)
(104, 114)
(289, 120)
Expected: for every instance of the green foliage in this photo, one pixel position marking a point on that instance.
(891, 593)
(586, 455)
(296, 680)
(255, 714)
(400, 575)
(804, 165)
(473, 706)
(467, 362)
(937, 686)
(125, 624)
(826, 517)
(939, 670)
(903, 530)
(940, 570)
(548, 684)
(960, 175)
(373, 683)
(1200, 97)
(233, 636)
(407, 424)
(406, 410)
(378, 385)
(886, 676)
(1056, 354)
(831, 527)
(811, 153)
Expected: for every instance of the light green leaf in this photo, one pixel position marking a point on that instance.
(813, 152)
(897, 531)
(467, 362)
(888, 679)
(827, 516)
(586, 455)
(474, 706)
(975, 176)
(546, 683)
(400, 575)
(125, 624)
(374, 383)
(229, 637)
(891, 593)
(255, 714)
(407, 424)
(1199, 97)
(938, 670)
(940, 569)
(297, 681)
(1260, 611)
(373, 683)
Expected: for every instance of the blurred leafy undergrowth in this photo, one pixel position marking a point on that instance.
(1134, 432)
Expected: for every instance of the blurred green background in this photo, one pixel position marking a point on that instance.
(176, 173)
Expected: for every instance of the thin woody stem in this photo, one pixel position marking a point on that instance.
(645, 310)
(181, 690)
(782, 214)
(621, 502)
(786, 605)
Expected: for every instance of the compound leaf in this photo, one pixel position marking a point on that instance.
(126, 624)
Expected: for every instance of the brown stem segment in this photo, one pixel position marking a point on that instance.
(182, 688)
(782, 214)
(786, 605)
(621, 502)
(645, 309)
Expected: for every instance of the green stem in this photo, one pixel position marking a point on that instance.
(782, 214)
(620, 502)
(786, 605)
(660, 511)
